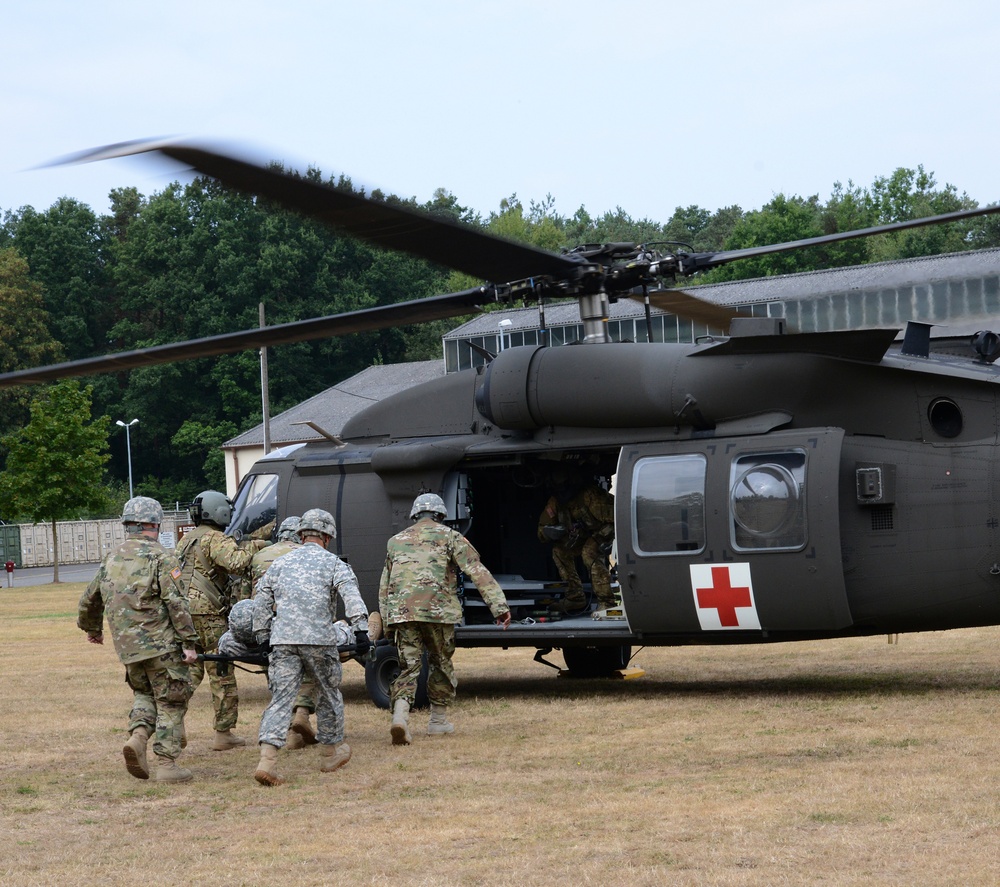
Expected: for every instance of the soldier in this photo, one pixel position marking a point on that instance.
(295, 611)
(207, 557)
(418, 600)
(136, 587)
(580, 523)
(288, 540)
(302, 732)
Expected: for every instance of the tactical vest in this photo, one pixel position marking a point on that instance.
(200, 578)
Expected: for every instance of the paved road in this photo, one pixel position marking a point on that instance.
(43, 575)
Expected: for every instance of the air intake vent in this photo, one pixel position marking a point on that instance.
(881, 517)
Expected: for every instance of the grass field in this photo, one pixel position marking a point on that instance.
(835, 763)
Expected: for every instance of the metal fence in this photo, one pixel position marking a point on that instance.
(80, 542)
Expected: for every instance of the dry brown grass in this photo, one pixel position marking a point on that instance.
(836, 763)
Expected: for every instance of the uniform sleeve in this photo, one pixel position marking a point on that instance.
(467, 558)
(223, 551)
(263, 604)
(168, 576)
(350, 594)
(90, 611)
(548, 517)
(383, 587)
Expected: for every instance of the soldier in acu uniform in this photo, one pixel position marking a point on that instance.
(136, 588)
(302, 732)
(295, 611)
(208, 556)
(418, 600)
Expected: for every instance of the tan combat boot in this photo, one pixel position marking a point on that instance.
(439, 723)
(168, 771)
(267, 767)
(333, 757)
(294, 741)
(574, 602)
(300, 724)
(226, 739)
(135, 753)
(400, 729)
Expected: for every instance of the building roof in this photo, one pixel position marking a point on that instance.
(895, 275)
(330, 409)
(556, 314)
(953, 286)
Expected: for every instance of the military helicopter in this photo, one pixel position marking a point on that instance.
(769, 486)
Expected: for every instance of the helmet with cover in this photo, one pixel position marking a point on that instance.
(289, 529)
(319, 521)
(431, 503)
(142, 510)
(241, 622)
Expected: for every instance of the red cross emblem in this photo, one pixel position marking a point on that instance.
(723, 596)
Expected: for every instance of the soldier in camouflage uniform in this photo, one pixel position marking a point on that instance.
(580, 523)
(294, 610)
(302, 732)
(136, 588)
(208, 556)
(418, 600)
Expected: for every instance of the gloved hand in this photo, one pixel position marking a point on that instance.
(263, 638)
(361, 641)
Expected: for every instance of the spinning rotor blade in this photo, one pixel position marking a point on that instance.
(438, 240)
(702, 261)
(400, 314)
(689, 306)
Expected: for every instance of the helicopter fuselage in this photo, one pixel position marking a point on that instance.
(766, 489)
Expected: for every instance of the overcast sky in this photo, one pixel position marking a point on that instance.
(634, 103)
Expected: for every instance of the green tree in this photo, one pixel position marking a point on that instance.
(200, 443)
(55, 464)
(912, 194)
(63, 248)
(26, 340)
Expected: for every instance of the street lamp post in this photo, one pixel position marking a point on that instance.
(128, 448)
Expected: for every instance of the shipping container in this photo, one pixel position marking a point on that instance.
(10, 544)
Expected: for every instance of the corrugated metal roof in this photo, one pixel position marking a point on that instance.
(556, 314)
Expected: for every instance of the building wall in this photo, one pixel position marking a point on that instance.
(239, 460)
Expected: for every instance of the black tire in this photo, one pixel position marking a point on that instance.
(596, 662)
(381, 670)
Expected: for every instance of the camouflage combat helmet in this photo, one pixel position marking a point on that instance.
(241, 622)
(211, 507)
(319, 521)
(289, 529)
(431, 503)
(142, 510)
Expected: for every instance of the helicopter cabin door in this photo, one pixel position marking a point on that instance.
(736, 534)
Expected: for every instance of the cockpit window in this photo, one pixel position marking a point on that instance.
(668, 505)
(256, 507)
(767, 501)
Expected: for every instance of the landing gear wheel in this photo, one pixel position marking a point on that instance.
(381, 671)
(596, 662)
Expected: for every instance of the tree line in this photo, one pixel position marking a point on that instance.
(196, 260)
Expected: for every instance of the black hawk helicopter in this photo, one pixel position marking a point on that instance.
(769, 486)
